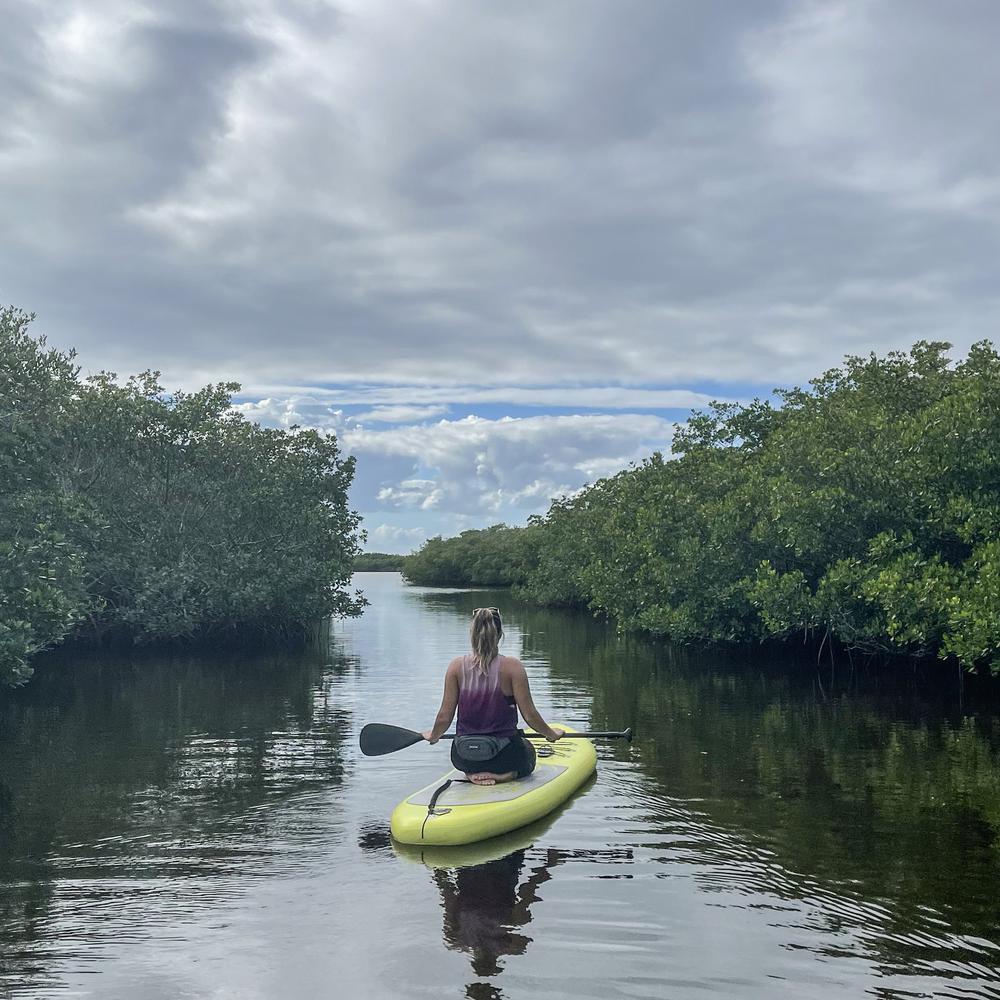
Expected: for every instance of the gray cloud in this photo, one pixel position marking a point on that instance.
(504, 193)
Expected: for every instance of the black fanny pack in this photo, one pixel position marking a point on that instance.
(480, 747)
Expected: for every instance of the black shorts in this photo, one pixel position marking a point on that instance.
(518, 756)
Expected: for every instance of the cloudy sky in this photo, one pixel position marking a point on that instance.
(498, 248)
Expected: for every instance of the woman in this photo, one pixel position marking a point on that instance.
(488, 689)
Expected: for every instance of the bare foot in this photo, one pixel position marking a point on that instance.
(486, 778)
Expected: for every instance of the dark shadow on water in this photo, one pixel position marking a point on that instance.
(483, 991)
(487, 908)
(375, 838)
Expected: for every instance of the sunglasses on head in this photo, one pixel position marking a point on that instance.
(495, 612)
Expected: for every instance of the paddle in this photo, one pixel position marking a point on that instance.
(378, 739)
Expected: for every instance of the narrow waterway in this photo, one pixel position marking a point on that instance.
(190, 827)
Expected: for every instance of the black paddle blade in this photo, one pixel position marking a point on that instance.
(377, 739)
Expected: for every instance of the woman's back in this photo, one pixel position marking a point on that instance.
(483, 708)
(474, 685)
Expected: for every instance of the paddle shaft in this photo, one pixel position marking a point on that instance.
(625, 734)
(377, 738)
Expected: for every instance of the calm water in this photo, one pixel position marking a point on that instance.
(193, 828)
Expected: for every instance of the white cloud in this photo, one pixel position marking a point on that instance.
(400, 414)
(396, 403)
(506, 469)
(392, 538)
(296, 411)
(422, 493)
(473, 471)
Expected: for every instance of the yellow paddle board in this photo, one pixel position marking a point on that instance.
(465, 813)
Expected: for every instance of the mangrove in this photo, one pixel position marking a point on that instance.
(128, 513)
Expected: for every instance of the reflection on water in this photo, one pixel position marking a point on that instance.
(484, 905)
(490, 890)
(487, 907)
(188, 826)
(123, 784)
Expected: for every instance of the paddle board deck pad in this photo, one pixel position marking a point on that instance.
(464, 813)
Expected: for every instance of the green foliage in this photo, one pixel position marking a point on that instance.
(491, 557)
(866, 508)
(41, 588)
(560, 550)
(378, 562)
(131, 513)
(973, 633)
(208, 522)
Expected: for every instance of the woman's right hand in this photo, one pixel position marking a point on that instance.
(557, 734)
(429, 736)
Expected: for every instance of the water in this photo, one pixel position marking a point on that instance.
(196, 828)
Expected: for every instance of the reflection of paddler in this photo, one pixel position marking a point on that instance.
(484, 904)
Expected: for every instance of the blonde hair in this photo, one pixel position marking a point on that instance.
(485, 633)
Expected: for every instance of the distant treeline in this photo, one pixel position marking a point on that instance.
(378, 562)
(494, 557)
(127, 513)
(863, 511)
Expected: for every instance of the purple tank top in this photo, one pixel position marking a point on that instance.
(483, 708)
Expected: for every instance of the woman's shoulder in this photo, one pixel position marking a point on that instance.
(510, 665)
(454, 668)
